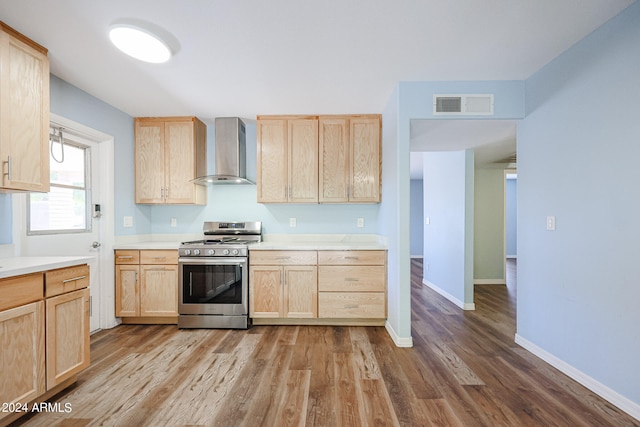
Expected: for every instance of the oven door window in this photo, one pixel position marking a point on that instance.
(212, 284)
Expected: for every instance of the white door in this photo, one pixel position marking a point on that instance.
(65, 221)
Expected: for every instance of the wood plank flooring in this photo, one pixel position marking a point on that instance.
(464, 370)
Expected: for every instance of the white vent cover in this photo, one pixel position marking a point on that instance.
(458, 105)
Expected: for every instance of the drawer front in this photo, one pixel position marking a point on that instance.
(19, 290)
(352, 278)
(65, 280)
(283, 257)
(127, 257)
(351, 305)
(352, 257)
(159, 257)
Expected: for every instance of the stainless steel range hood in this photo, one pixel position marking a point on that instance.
(230, 148)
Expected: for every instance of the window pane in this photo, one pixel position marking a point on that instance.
(60, 209)
(71, 171)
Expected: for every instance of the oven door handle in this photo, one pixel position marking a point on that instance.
(213, 261)
(190, 284)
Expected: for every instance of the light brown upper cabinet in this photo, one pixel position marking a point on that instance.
(24, 113)
(346, 149)
(287, 159)
(169, 153)
(350, 159)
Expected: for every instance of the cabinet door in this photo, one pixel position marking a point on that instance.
(67, 331)
(149, 161)
(24, 115)
(272, 161)
(266, 292)
(180, 162)
(301, 291)
(303, 160)
(22, 360)
(127, 291)
(365, 159)
(158, 290)
(334, 160)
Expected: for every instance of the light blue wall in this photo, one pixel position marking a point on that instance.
(417, 217)
(511, 217)
(578, 152)
(224, 202)
(72, 103)
(448, 203)
(238, 202)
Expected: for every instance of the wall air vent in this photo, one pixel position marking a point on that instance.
(460, 105)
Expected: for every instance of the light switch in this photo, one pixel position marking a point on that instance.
(551, 223)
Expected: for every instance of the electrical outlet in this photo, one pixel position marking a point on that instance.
(127, 221)
(292, 222)
(174, 222)
(360, 222)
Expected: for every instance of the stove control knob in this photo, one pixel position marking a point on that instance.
(226, 252)
(196, 251)
(211, 252)
(235, 252)
(187, 251)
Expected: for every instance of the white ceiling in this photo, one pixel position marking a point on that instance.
(249, 57)
(493, 141)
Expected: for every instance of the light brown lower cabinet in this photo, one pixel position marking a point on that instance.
(44, 332)
(352, 284)
(341, 287)
(283, 284)
(146, 286)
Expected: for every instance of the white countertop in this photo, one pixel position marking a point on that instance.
(339, 242)
(16, 266)
(168, 245)
(342, 242)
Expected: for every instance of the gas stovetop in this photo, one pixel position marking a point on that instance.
(223, 239)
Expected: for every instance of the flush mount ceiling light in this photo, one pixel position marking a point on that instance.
(141, 40)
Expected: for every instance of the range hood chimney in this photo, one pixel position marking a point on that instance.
(230, 148)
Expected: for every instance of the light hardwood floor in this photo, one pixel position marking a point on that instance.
(464, 370)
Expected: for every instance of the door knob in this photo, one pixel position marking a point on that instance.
(96, 245)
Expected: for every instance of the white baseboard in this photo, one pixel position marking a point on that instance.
(417, 256)
(489, 282)
(447, 295)
(597, 387)
(512, 256)
(399, 341)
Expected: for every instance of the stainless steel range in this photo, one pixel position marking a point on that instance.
(214, 276)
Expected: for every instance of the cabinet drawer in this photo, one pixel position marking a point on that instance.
(159, 257)
(352, 278)
(19, 290)
(127, 257)
(350, 305)
(352, 257)
(283, 258)
(65, 280)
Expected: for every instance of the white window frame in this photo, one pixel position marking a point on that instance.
(87, 189)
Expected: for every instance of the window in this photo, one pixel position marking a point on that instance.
(66, 207)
